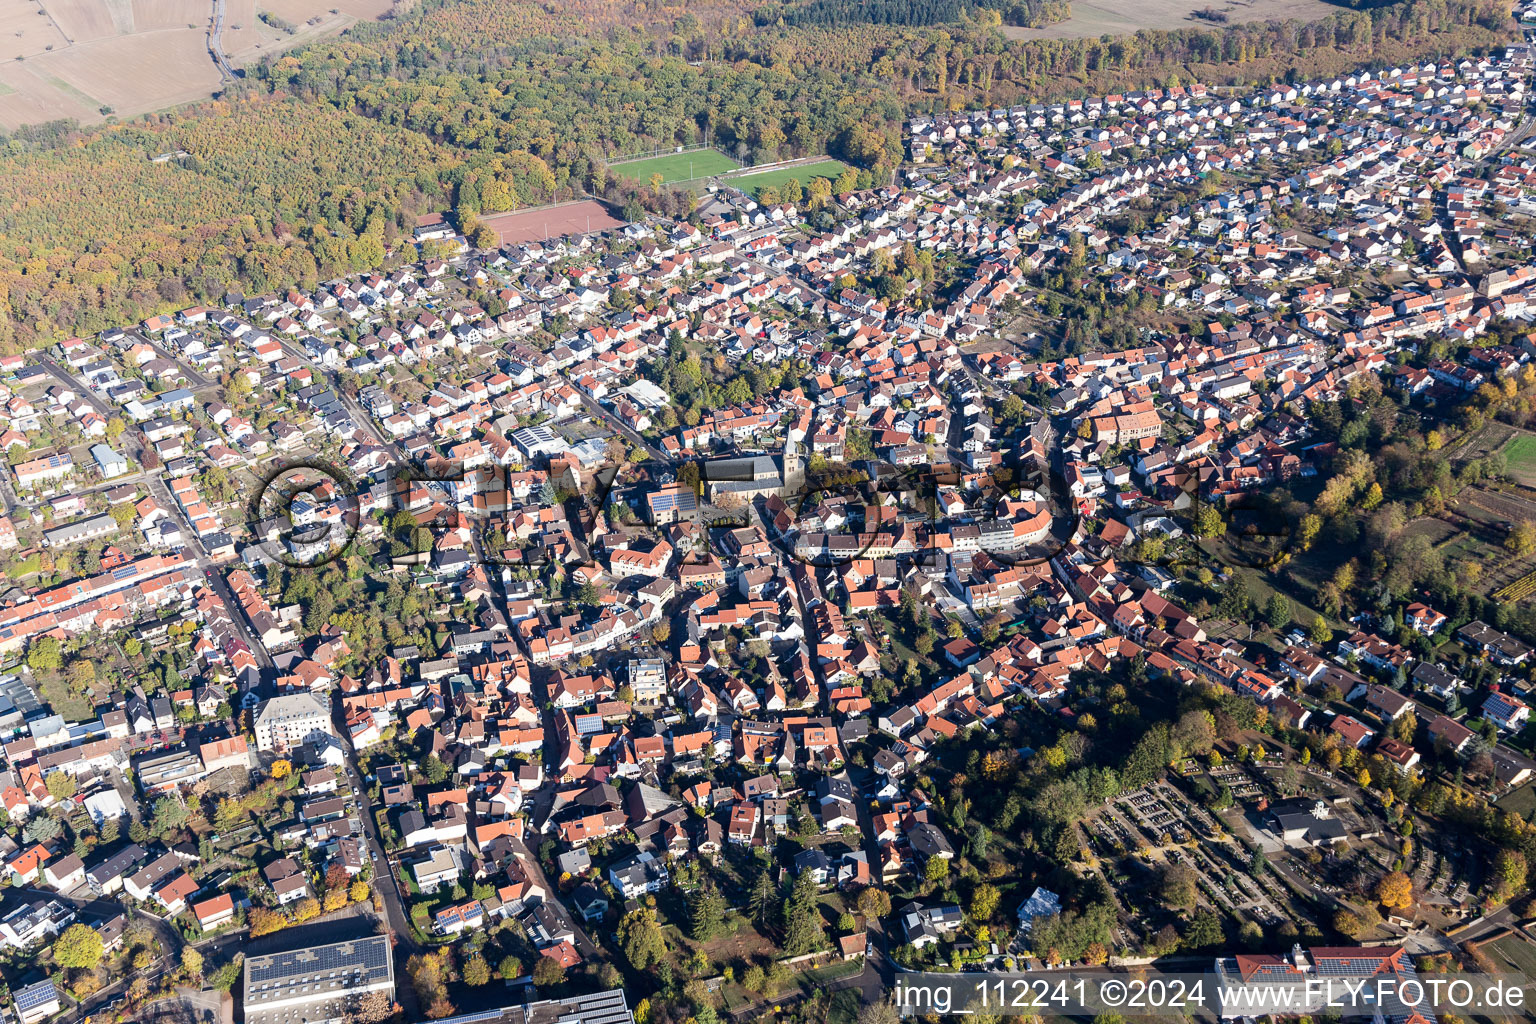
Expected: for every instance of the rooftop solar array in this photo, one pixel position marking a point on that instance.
(668, 501)
(608, 1007)
(36, 995)
(1351, 966)
(317, 969)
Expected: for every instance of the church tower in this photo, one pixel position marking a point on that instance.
(794, 469)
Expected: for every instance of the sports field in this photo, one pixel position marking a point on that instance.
(1520, 457)
(1514, 951)
(802, 173)
(546, 222)
(700, 163)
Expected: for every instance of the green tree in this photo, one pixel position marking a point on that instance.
(45, 655)
(434, 769)
(706, 912)
(803, 927)
(170, 815)
(1209, 523)
(640, 938)
(761, 899)
(1277, 611)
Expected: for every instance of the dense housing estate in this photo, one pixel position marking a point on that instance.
(1121, 508)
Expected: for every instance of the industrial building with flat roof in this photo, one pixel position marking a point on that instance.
(608, 1007)
(318, 984)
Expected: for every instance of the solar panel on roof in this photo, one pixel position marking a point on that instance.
(36, 995)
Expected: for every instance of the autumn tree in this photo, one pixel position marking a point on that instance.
(370, 1008)
(192, 963)
(1509, 875)
(1395, 890)
(264, 921)
(1522, 538)
(548, 971)
(1209, 523)
(61, 785)
(79, 946)
(874, 902)
(984, 902)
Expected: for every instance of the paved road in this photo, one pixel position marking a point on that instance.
(211, 571)
(194, 378)
(332, 380)
(69, 380)
(116, 989)
(584, 944)
(216, 42)
(74, 383)
(385, 883)
(596, 407)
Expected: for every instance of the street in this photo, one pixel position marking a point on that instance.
(596, 408)
(396, 917)
(584, 945)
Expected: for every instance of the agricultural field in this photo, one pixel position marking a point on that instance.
(1520, 457)
(700, 163)
(1480, 443)
(1093, 18)
(247, 37)
(1484, 515)
(803, 173)
(86, 59)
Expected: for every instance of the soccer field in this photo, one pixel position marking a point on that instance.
(701, 163)
(803, 173)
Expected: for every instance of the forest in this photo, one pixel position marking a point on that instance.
(318, 162)
(1031, 13)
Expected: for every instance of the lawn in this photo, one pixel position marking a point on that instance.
(1521, 801)
(802, 173)
(700, 163)
(1520, 456)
